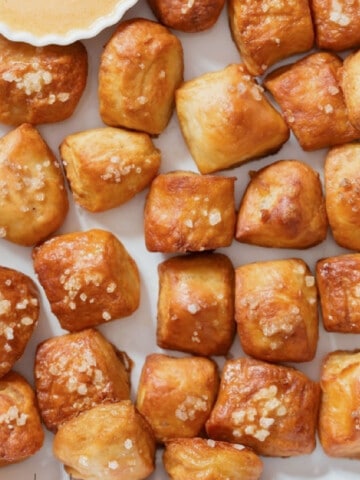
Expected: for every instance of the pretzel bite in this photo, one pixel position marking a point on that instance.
(40, 85)
(270, 408)
(75, 372)
(266, 31)
(21, 432)
(140, 68)
(276, 310)
(176, 395)
(309, 94)
(19, 313)
(106, 167)
(188, 212)
(338, 280)
(33, 199)
(108, 442)
(226, 119)
(336, 24)
(196, 304)
(283, 207)
(185, 15)
(342, 186)
(350, 85)
(339, 418)
(201, 459)
(89, 278)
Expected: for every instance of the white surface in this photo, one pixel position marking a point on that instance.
(210, 50)
(77, 34)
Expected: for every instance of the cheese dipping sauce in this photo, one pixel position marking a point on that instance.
(43, 17)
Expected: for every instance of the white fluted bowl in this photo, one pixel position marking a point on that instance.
(28, 35)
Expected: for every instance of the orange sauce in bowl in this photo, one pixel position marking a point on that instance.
(44, 17)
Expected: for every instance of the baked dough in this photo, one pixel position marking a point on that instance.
(338, 280)
(276, 310)
(106, 167)
(339, 417)
(185, 211)
(176, 395)
(187, 15)
(77, 371)
(33, 199)
(40, 85)
(310, 96)
(336, 23)
(283, 207)
(270, 408)
(21, 432)
(89, 278)
(350, 85)
(206, 459)
(108, 442)
(141, 66)
(196, 304)
(342, 184)
(226, 119)
(19, 313)
(266, 31)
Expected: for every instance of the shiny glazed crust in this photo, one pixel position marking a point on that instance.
(338, 280)
(75, 372)
(350, 85)
(176, 395)
(190, 16)
(21, 432)
(309, 94)
(276, 310)
(141, 66)
(196, 304)
(106, 167)
(283, 207)
(270, 408)
(342, 183)
(336, 24)
(89, 278)
(267, 31)
(40, 85)
(19, 313)
(226, 119)
(185, 211)
(339, 419)
(34, 202)
(202, 459)
(111, 442)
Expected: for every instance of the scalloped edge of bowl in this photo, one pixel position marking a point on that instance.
(72, 35)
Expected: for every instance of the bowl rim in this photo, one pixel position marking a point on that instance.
(72, 35)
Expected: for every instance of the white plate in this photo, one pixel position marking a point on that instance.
(210, 50)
